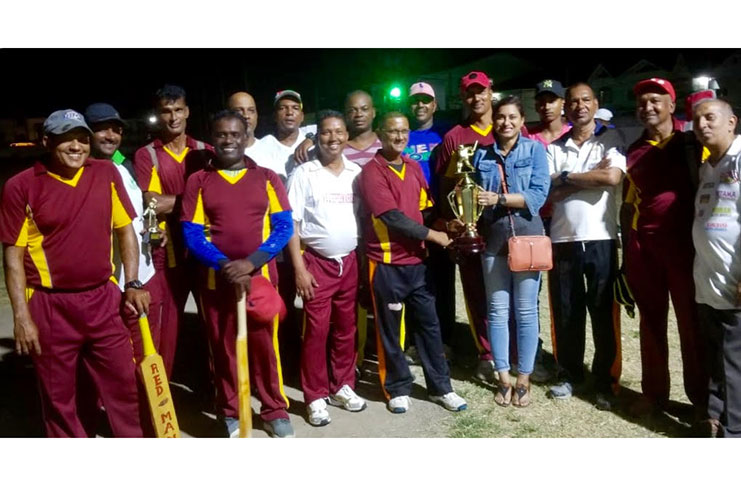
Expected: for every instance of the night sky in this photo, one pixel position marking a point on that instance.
(38, 81)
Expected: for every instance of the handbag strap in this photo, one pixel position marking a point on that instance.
(504, 190)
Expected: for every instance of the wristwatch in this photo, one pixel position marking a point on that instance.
(133, 284)
(502, 199)
(564, 177)
(310, 136)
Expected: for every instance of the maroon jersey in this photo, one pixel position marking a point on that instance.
(383, 188)
(460, 135)
(165, 172)
(659, 184)
(65, 224)
(235, 210)
(160, 171)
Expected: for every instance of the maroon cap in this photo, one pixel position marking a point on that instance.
(475, 77)
(662, 84)
(264, 302)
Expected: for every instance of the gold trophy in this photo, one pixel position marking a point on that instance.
(464, 201)
(152, 236)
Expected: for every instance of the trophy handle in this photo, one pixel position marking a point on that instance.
(453, 203)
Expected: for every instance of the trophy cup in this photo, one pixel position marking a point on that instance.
(152, 236)
(464, 201)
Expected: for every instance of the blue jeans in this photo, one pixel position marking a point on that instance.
(499, 282)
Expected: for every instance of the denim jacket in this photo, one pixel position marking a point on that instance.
(526, 167)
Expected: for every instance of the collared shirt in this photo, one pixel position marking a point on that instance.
(659, 183)
(65, 224)
(169, 174)
(384, 188)
(277, 156)
(526, 169)
(235, 209)
(324, 206)
(589, 214)
(716, 231)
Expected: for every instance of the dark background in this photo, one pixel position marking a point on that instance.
(36, 82)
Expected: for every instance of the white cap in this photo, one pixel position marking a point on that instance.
(603, 114)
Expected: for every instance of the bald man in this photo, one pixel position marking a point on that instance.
(243, 103)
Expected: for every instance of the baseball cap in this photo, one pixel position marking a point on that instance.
(421, 88)
(101, 112)
(475, 77)
(287, 93)
(662, 84)
(550, 86)
(62, 121)
(603, 114)
(264, 302)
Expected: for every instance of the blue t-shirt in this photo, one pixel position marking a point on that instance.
(421, 144)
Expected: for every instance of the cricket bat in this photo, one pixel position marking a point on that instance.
(243, 370)
(154, 377)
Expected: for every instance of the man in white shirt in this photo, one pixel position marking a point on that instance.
(243, 102)
(716, 233)
(322, 197)
(279, 148)
(586, 168)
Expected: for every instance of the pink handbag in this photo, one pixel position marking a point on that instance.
(526, 253)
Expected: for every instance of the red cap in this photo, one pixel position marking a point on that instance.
(475, 77)
(662, 84)
(264, 302)
(689, 101)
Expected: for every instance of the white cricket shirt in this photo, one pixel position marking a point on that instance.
(590, 214)
(716, 231)
(323, 204)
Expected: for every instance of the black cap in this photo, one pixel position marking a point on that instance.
(101, 112)
(550, 86)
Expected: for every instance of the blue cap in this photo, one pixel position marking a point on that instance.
(101, 112)
(62, 121)
(550, 86)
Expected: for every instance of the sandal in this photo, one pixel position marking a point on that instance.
(503, 395)
(521, 397)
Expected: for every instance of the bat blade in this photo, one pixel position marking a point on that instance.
(153, 376)
(243, 370)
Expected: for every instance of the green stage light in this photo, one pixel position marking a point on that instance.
(395, 92)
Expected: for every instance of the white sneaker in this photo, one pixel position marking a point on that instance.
(347, 399)
(318, 414)
(451, 401)
(398, 404)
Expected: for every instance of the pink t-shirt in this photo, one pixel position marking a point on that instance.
(536, 133)
(361, 157)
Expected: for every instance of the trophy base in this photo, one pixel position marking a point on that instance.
(469, 245)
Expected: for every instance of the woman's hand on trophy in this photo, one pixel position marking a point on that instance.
(487, 198)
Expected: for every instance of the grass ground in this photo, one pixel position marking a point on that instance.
(576, 417)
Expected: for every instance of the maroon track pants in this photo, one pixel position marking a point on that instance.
(472, 280)
(266, 381)
(329, 326)
(84, 326)
(657, 266)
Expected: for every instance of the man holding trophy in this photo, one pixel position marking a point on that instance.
(395, 196)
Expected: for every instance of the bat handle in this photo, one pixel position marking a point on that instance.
(147, 343)
(241, 313)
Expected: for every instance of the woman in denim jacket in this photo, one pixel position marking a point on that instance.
(524, 163)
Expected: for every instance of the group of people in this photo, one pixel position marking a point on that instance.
(353, 222)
